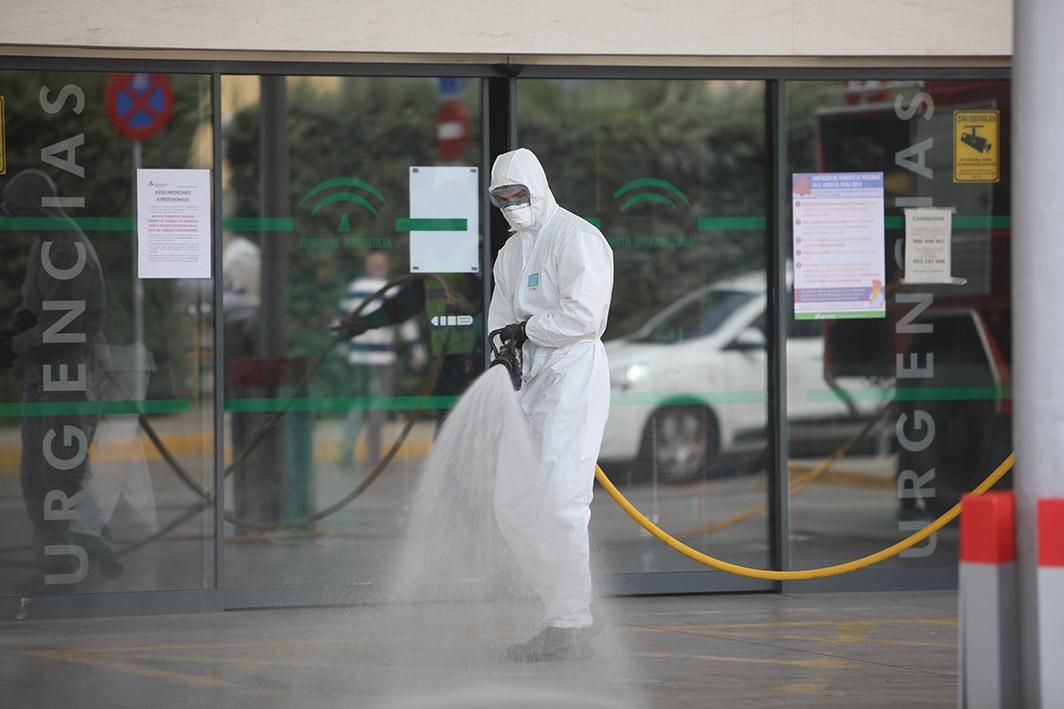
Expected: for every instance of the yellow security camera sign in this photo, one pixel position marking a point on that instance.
(976, 146)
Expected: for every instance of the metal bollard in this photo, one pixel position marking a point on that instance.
(1051, 600)
(989, 639)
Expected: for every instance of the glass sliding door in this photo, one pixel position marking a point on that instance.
(914, 398)
(106, 371)
(674, 174)
(339, 192)
(325, 185)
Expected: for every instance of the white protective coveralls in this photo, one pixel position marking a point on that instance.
(558, 275)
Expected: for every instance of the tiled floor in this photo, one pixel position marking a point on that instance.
(814, 650)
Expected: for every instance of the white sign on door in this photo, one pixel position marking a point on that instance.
(173, 224)
(441, 197)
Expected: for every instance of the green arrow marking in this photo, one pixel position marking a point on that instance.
(403, 224)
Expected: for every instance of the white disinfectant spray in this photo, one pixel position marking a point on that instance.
(456, 597)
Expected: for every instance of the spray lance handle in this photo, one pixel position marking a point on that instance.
(508, 350)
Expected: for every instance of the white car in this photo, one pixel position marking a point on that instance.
(690, 392)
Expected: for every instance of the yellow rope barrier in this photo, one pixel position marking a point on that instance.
(803, 574)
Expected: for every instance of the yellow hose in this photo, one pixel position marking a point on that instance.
(802, 574)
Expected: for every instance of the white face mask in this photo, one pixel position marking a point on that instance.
(518, 216)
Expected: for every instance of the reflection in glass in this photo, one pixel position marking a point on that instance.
(326, 432)
(102, 374)
(917, 404)
(699, 316)
(673, 173)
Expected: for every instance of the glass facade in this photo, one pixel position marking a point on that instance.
(108, 379)
(111, 399)
(674, 173)
(317, 186)
(915, 405)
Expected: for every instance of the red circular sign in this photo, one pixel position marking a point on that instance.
(454, 126)
(139, 104)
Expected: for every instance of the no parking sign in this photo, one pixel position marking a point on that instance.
(139, 104)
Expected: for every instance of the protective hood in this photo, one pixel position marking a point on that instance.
(521, 167)
(24, 194)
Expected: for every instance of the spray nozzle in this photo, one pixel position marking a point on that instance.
(507, 353)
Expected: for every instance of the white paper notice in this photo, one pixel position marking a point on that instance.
(839, 264)
(927, 245)
(444, 203)
(173, 224)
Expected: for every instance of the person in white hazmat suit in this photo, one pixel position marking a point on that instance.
(553, 283)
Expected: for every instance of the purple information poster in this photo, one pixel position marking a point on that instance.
(839, 264)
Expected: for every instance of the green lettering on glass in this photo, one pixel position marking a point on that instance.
(343, 182)
(350, 197)
(331, 243)
(642, 241)
(344, 197)
(645, 182)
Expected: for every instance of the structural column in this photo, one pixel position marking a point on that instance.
(1038, 319)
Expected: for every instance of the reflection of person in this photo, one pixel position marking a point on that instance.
(461, 347)
(371, 357)
(257, 495)
(126, 476)
(65, 358)
(241, 266)
(553, 283)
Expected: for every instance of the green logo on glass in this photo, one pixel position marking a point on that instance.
(349, 196)
(642, 187)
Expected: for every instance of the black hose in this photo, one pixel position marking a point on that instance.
(207, 498)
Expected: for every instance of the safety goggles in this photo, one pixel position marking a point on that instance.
(509, 196)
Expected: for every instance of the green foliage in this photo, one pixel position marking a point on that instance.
(108, 189)
(706, 138)
(373, 129)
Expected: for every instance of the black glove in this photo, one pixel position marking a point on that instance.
(7, 355)
(515, 333)
(352, 325)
